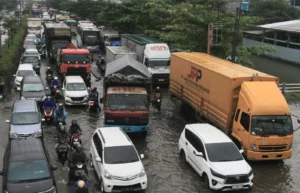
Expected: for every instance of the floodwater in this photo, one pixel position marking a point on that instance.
(166, 172)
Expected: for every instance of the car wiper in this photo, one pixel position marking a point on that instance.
(225, 160)
(34, 180)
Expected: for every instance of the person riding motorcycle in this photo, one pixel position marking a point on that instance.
(49, 103)
(62, 137)
(76, 157)
(83, 177)
(58, 96)
(55, 82)
(60, 112)
(94, 96)
(81, 187)
(75, 128)
(49, 71)
(157, 93)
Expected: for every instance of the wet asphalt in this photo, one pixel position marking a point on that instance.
(166, 172)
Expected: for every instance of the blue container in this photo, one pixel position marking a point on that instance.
(245, 6)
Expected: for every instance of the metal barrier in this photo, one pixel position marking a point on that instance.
(289, 87)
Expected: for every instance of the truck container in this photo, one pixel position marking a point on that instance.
(126, 95)
(153, 53)
(242, 102)
(109, 37)
(34, 26)
(116, 52)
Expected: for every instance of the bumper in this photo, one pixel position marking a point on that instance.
(135, 185)
(220, 186)
(75, 103)
(252, 155)
(130, 128)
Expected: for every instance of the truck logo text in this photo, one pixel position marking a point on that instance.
(195, 74)
(159, 48)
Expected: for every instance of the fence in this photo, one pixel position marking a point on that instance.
(289, 87)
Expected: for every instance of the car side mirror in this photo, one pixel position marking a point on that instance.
(101, 100)
(18, 88)
(14, 75)
(98, 159)
(198, 153)
(43, 120)
(7, 121)
(54, 167)
(142, 156)
(241, 151)
(298, 120)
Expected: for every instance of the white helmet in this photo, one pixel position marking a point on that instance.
(55, 78)
(48, 67)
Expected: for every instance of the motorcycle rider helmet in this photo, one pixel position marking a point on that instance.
(102, 58)
(82, 176)
(57, 92)
(61, 106)
(94, 88)
(157, 88)
(48, 97)
(48, 68)
(55, 78)
(78, 148)
(74, 122)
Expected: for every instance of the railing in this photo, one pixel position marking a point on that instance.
(289, 87)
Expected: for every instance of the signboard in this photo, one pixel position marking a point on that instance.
(159, 48)
(62, 32)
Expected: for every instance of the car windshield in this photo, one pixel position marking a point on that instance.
(31, 37)
(29, 42)
(120, 154)
(30, 59)
(28, 171)
(34, 28)
(60, 44)
(22, 73)
(33, 87)
(221, 152)
(71, 23)
(25, 118)
(272, 125)
(159, 63)
(76, 87)
(127, 102)
(79, 58)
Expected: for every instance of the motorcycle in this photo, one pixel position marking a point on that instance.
(60, 124)
(62, 152)
(156, 102)
(48, 114)
(77, 170)
(101, 66)
(54, 89)
(92, 106)
(42, 51)
(75, 140)
(49, 78)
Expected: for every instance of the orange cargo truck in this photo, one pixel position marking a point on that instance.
(242, 102)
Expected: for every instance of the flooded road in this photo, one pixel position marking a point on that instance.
(166, 172)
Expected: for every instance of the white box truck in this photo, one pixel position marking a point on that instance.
(116, 52)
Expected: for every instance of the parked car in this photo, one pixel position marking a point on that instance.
(32, 52)
(34, 60)
(25, 120)
(116, 161)
(215, 158)
(31, 36)
(32, 88)
(75, 91)
(27, 167)
(28, 42)
(23, 70)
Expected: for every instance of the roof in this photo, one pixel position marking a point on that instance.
(74, 79)
(126, 90)
(30, 50)
(120, 50)
(127, 65)
(209, 133)
(56, 25)
(89, 28)
(288, 26)
(32, 79)
(258, 94)
(157, 51)
(25, 67)
(26, 149)
(114, 136)
(25, 106)
(141, 39)
(31, 35)
(75, 51)
(224, 67)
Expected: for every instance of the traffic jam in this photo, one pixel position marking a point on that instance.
(231, 98)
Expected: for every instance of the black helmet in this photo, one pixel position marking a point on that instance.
(82, 175)
(74, 122)
(78, 148)
(94, 88)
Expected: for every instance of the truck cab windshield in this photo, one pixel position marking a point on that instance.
(158, 63)
(34, 28)
(272, 125)
(76, 58)
(59, 44)
(127, 102)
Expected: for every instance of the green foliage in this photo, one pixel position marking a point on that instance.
(292, 97)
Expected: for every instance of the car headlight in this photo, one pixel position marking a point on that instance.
(250, 173)
(38, 133)
(23, 98)
(253, 147)
(216, 174)
(142, 173)
(107, 175)
(12, 134)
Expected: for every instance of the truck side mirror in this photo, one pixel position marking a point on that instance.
(101, 100)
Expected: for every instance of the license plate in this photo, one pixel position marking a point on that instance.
(272, 155)
(127, 190)
(161, 80)
(76, 101)
(237, 187)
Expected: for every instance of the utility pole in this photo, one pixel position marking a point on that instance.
(236, 32)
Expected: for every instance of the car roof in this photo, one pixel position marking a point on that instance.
(31, 50)
(208, 133)
(74, 79)
(25, 67)
(114, 136)
(32, 79)
(25, 106)
(31, 35)
(30, 148)
(31, 40)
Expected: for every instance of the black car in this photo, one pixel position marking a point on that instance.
(34, 60)
(32, 88)
(26, 167)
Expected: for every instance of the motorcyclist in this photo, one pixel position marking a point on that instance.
(82, 177)
(62, 137)
(76, 157)
(55, 82)
(75, 128)
(49, 103)
(58, 96)
(94, 96)
(49, 71)
(81, 187)
(60, 112)
(157, 93)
